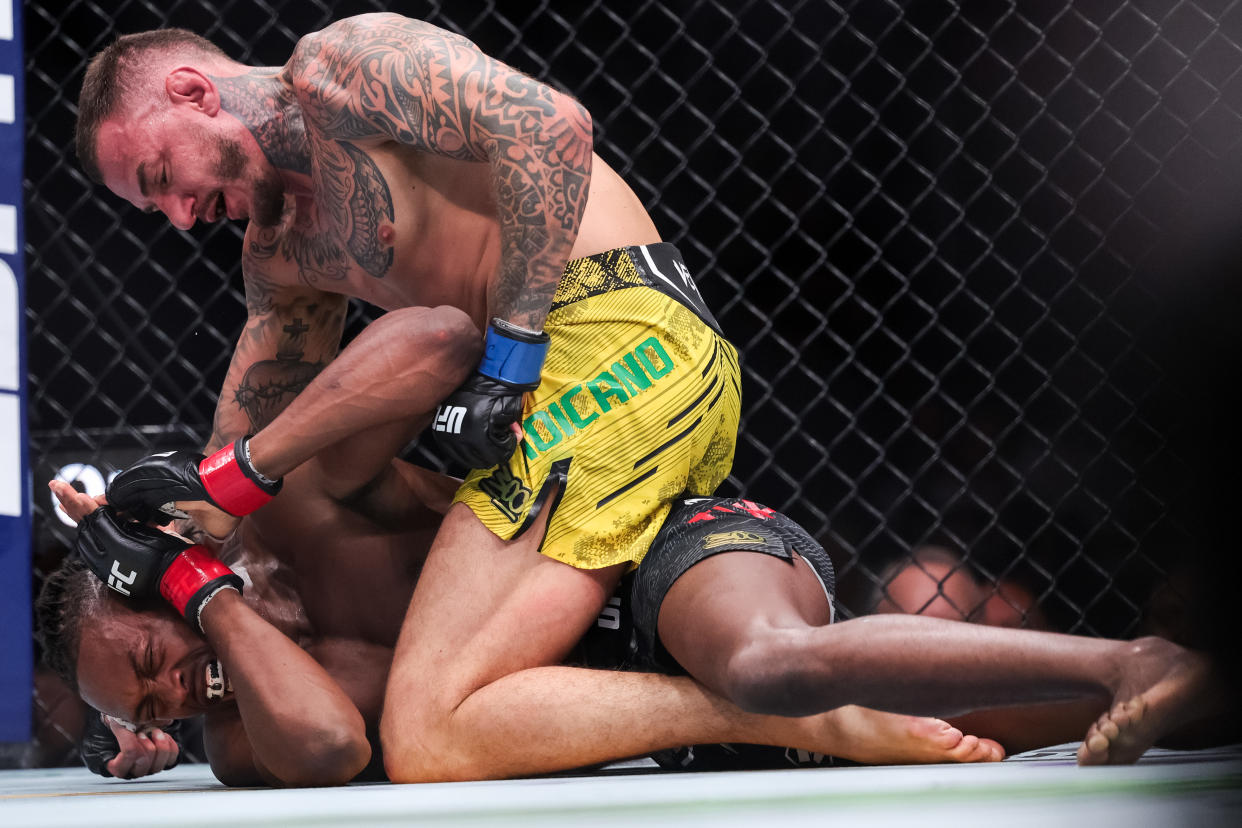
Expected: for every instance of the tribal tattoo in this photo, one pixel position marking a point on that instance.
(275, 121)
(386, 77)
(356, 196)
(317, 258)
(356, 199)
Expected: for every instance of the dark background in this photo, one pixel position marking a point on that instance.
(980, 260)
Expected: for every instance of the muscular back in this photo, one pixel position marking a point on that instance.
(426, 187)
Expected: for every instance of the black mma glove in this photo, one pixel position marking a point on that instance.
(140, 562)
(99, 745)
(226, 479)
(473, 423)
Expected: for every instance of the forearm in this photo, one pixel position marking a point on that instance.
(301, 725)
(554, 718)
(541, 196)
(231, 420)
(396, 371)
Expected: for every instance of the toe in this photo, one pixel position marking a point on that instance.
(966, 748)
(994, 750)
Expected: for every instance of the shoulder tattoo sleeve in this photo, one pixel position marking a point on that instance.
(387, 77)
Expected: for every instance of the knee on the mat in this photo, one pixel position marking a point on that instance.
(419, 748)
(776, 674)
(412, 760)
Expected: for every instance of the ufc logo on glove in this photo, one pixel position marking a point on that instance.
(118, 580)
(448, 419)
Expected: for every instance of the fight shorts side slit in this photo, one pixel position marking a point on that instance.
(638, 403)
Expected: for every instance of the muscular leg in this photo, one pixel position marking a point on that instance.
(730, 622)
(778, 595)
(470, 694)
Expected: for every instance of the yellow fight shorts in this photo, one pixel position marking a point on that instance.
(638, 403)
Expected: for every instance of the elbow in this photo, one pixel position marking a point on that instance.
(454, 339)
(450, 346)
(334, 759)
(327, 759)
(441, 341)
(327, 768)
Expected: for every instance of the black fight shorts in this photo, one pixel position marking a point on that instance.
(624, 636)
(697, 528)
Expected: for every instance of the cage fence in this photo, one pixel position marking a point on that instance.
(924, 224)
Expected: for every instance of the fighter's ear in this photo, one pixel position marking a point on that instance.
(187, 85)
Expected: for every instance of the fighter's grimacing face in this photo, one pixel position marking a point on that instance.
(146, 668)
(186, 165)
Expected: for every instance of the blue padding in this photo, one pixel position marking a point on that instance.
(16, 646)
(511, 361)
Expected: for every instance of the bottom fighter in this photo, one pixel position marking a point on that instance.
(739, 599)
(291, 676)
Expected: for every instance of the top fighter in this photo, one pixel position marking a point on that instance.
(393, 161)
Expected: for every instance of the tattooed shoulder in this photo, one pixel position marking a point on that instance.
(373, 76)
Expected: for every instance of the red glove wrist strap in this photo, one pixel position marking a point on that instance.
(193, 569)
(228, 485)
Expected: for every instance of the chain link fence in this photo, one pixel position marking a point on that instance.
(923, 222)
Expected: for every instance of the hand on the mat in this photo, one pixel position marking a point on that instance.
(109, 748)
(143, 753)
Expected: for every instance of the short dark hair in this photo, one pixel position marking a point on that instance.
(69, 594)
(109, 78)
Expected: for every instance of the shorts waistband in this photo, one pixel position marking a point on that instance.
(657, 266)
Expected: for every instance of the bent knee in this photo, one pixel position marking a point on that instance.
(415, 754)
(778, 673)
(420, 744)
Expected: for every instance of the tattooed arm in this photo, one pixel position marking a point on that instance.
(291, 333)
(384, 77)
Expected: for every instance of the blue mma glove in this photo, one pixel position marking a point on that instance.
(474, 424)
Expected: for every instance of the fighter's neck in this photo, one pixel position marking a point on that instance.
(261, 100)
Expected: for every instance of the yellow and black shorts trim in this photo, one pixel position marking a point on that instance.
(638, 403)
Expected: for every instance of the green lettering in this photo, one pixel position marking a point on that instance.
(652, 344)
(561, 419)
(539, 418)
(631, 375)
(604, 386)
(571, 408)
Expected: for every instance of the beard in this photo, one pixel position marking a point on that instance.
(268, 201)
(230, 159)
(268, 194)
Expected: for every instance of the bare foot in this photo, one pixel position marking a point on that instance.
(1162, 688)
(876, 738)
